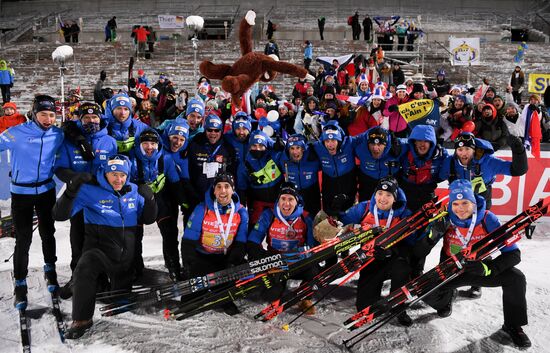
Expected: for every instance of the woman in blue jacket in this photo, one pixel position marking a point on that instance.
(33, 146)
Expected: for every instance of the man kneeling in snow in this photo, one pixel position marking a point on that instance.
(112, 207)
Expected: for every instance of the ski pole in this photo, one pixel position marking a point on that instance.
(9, 258)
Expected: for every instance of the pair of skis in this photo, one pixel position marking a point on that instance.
(237, 276)
(350, 264)
(246, 285)
(356, 261)
(383, 311)
(25, 330)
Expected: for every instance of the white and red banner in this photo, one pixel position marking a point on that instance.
(511, 195)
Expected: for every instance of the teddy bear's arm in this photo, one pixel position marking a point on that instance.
(214, 71)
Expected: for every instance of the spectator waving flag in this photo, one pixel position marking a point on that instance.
(421, 112)
(327, 61)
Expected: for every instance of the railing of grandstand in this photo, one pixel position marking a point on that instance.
(26, 26)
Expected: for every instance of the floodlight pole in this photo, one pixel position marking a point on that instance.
(62, 69)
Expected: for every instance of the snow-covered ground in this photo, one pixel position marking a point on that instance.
(473, 327)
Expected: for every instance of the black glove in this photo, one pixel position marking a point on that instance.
(393, 108)
(438, 229)
(255, 251)
(338, 204)
(381, 254)
(471, 90)
(188, 252)
(145, 191)
(515, 144)
(75, 136)
(395, 148)
(236, 253)
(534, 108)
(76, 182)
(477, 268)
(11, 85)
(279, 144)
(429, 86)
(85, 147)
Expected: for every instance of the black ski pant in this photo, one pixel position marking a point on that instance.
(278, 285)
(92, 264)
(417, 196)
(167, 221)
(138, 264)
(22, 210)
(372, 277)
(6, 93)
(400, 43)
(76, 236)
(307, 63)
(366, 187)
(513, 286)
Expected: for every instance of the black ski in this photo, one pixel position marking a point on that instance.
(24, 330)
(244, 286)
(56, 311)
(147, 296)
(383, 311)
(355, 261)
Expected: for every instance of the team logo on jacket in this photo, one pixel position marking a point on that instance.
(131, 205)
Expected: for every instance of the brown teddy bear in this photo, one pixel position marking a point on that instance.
(251, 67)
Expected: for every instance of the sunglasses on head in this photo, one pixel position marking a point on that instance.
(464, 138)
(377, 136)
(295, 139)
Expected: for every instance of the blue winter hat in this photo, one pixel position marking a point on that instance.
(296, 140)
(259, 138)
(461, 189)
(118, 163)
(179, 127)
(241, 120)
(441, 72)
(195, 106)
(332, 131)
(213, 122)
(120, 100)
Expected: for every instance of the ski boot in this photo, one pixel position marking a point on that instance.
(306, 306)
(230, 309)
(404, 319)
(474, 292)
(51, 278)
(517, 335)
(66, 291)
(77, 329)
(20, 291)
(447, 310)
(174, 271)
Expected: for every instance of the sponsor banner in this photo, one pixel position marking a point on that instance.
(538, 83)
(465, 51)
(511, 195)
(171, 21)
(420, 112)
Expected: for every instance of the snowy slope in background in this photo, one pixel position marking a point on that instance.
(471, 328)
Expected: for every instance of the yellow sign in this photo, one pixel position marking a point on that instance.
(538, 83)
(416, 109)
